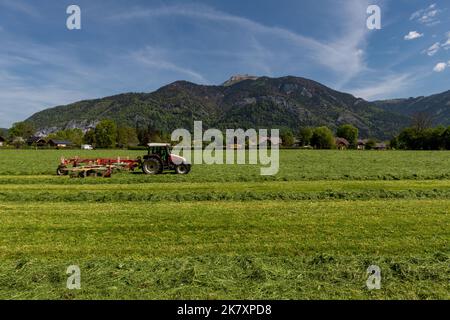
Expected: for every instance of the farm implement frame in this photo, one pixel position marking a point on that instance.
(104, 167)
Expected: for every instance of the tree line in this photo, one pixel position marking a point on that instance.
(321, 137)
(107, 134)
(421, 135)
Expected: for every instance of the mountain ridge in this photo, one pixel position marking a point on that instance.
(257, 102)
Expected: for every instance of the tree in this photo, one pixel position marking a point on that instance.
(305, 136)
(421, 121)
(18, 142)
(89, 137)
(287, 138)
(348, 132)
(21, 129)
(446, 138)
(149, 134)
(106, 134)
(126, 136)
(73, 135)
(370, 144)
(323, 138)
(393, 144)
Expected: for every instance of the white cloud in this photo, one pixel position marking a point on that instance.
(431, 51)
(427, 16)
(441, 66)
(413, 35)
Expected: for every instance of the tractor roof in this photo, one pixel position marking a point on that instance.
(158, 144)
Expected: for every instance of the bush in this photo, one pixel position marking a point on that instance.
(323, 138)
(348, 132)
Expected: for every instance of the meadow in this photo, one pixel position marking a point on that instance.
(225, 232)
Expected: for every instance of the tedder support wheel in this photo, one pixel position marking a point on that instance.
(152, 166)
(183, 169)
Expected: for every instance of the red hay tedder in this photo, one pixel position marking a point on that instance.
(95, 167)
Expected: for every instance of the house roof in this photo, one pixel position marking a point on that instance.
(35, 139)
(66, 142)
(342, 141)
(2, 139)
(158, 144)
(362, 141)
(272, 140)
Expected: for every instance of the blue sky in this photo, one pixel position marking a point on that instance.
(139, 46)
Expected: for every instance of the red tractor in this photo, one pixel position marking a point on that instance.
(160, 158)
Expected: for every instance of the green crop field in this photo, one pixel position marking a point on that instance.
(225, 232)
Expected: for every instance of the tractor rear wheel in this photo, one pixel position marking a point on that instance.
(152, 166)
(183, 168)
(61, 171)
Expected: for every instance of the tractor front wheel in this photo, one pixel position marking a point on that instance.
(183, 169)
(152, 166)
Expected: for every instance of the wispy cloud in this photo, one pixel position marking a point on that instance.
(21, 7)
(446, 44)
(342, 56)
(431, 51)
(384, 87)
(157, 59)
(428, 16)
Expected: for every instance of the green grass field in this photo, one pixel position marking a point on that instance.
(225, 232)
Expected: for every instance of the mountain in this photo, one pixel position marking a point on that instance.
(437, 106)
(287, 102)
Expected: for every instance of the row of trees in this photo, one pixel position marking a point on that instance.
(321, 137)
(105, 135)
(422, 136)
(423, 139)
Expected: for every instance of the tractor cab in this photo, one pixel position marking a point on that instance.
(163, 150)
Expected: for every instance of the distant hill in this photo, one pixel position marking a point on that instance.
(437, 106)
(287, 102)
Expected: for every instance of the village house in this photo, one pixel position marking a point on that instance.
(342, 144)
(2, 141)
(272, 141)
(361, 144)
(59, 143)
(380, 146)
(36, 141)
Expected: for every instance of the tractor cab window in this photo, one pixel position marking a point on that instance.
(162, 152)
